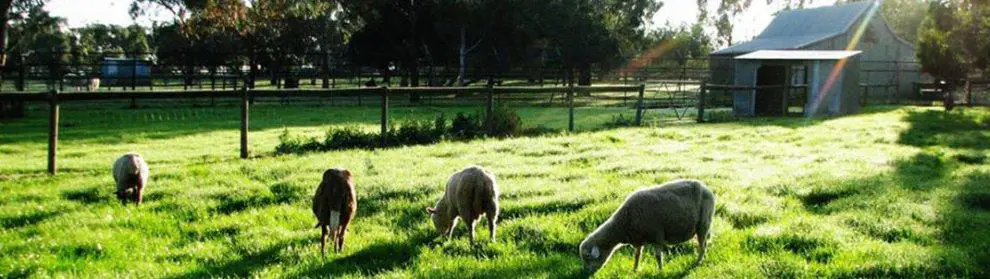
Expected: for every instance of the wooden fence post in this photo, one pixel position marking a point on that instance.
(134, 73)
(52, 131)
(245, 117)
(384, 134)
(897, 79)
(969, 93)
(701, 102)
(639, 104)
(490, 108)
(570, 108)
(21, 73)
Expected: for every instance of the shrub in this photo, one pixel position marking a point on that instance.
(464, 126)
(620, 121)
(415, 132)
(504, 123)
(288, 143)
(971, 157)
(349, 137)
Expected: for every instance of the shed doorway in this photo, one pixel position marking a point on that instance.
(771, 101)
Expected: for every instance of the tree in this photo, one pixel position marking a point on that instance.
(903, 16)
(40, 39)
(954, 40)
(596, 32)
(727, 11)
(680, 43)
(13, 10)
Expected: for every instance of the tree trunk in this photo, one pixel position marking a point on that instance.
(462, 56)
(4, 11)
(326, 70)
(585, 72)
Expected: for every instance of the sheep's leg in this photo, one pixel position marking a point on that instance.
(639, 253)
(492, 215)
(138, 193)
(658, 252)
(702, 247)
(341, 231)
(491, 225)
(122, 195)
(450, 231)
(471, 225)
(323, 241)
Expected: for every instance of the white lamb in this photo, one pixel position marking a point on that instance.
(93, 85)
(667, 214)
(131, 174)
(469, 194)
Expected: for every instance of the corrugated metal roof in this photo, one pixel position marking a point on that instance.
(799, 55)
(799, 28)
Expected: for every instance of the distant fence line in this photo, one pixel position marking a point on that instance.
(224, 70)
(882, 81)
(54, 99)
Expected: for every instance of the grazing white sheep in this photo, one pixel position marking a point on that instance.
(667, 214)
(334, 205)
(131, 174)
(469, 194)
(93, 85)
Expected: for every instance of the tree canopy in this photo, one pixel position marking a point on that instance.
(954, 39)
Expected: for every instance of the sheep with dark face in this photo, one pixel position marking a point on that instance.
(334, 205)
(131, 174)
(667, 214)
(469, 194)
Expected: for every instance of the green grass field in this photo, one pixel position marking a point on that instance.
(893, 192)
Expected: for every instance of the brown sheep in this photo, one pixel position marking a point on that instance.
(334, 206)
(130, 172)
(667, 214)
(469, 194)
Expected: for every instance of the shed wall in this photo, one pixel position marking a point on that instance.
(742, 100)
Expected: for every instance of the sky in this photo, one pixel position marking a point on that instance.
(675, 12)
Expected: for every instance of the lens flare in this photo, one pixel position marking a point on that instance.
(834, 75)
(644, 59)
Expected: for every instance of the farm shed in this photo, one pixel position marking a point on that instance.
(124, 71)
(829, 89)
(884, 57)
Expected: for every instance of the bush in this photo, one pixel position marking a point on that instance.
(464, 126)
(288, 143)
(620, 121)
(349, 137)
(504, 123)
(417, 132)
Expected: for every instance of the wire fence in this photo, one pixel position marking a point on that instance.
(600, 96)
(67, 72)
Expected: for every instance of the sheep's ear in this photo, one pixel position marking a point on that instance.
(347, 174)
(431, 210)
(595, 253)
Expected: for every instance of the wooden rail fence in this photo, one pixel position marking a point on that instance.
(54, 98)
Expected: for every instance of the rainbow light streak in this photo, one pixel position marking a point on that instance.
(644, 59)
(832, 77)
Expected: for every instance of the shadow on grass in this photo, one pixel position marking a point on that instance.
(85, 196)
(964, 224)
(380, 200)
(29, 219)
(959, 228)
(245, 265)
(515, 212)
(372, 260)
(964, 128)
(801, 121)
